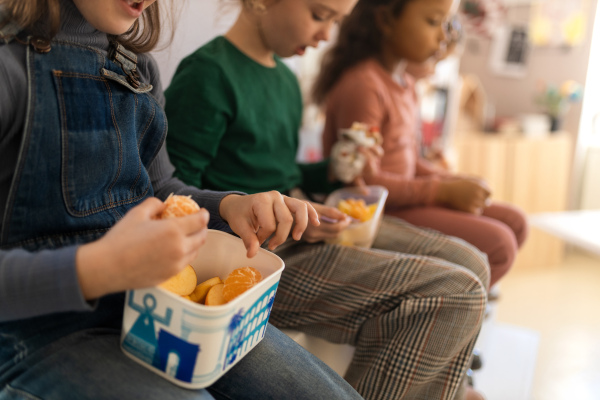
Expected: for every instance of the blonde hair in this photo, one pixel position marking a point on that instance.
(42, 18)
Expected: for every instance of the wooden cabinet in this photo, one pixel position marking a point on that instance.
(532, 173)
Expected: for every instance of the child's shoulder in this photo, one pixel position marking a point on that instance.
(366, 75)
(217, 51)
(368, 69)
(214, 57)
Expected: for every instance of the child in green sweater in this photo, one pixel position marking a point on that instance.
(234, 112)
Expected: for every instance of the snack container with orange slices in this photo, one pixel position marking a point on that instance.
(361, 234)
(193, 345)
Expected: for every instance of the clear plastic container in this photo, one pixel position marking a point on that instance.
(360, 234)
(193, 345)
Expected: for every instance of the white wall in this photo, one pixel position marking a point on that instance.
(512, 97)
(197, 22)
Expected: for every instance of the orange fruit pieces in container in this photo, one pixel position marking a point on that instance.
(183, 283)
(357, 208)
(214, 297)
(240, 280)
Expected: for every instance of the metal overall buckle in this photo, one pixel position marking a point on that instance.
(11, 31)
(127, 61)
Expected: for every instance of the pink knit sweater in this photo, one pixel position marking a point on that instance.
(367, 93)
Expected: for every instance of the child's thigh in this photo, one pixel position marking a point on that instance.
(482, 231)
(398, 235)
(89, 365)
(279, 368)
(512, 216)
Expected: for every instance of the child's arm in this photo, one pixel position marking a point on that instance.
(39, 283)
(317, 177)
(360, 98)
(199, 107)
(140, 250)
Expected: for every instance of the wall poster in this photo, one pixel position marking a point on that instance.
(558, 22)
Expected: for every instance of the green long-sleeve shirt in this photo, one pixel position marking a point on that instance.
(233, 124)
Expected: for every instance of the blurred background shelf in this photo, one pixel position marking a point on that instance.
(532, 173)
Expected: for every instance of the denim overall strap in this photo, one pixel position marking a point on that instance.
(92, 130)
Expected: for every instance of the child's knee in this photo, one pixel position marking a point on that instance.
(472, 298)
(475, 261)
(502, 252)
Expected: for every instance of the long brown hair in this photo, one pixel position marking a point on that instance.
(359, 38)
(42, 18)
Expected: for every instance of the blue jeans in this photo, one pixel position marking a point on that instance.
(89, 364)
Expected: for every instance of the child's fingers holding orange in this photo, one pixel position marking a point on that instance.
(149, 208)
(196, 240)
(191, 224)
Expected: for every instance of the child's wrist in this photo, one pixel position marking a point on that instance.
(95, 279)
(224, 205)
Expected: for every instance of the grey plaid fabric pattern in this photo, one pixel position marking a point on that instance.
(412, 306)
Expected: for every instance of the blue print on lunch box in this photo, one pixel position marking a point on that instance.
(249, 328)
(175, 351)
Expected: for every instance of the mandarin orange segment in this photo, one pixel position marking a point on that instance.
(179, 206)
(357, 208)
(240, 280)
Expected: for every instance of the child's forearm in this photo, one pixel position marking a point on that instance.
(34, 284)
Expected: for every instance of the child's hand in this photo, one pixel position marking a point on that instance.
(140, 250)
(333, 222)
(258, 216)
(372, 165)
(465, 194)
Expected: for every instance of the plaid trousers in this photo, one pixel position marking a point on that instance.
(412, 306)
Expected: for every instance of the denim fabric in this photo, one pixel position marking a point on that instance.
(77, 356)
(88, 141)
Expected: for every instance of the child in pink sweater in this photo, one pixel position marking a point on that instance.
(363, 79)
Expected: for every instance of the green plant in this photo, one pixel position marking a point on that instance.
(556, 101)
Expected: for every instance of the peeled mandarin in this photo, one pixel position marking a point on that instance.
(183, 283)
(240, 280)
(179, 206)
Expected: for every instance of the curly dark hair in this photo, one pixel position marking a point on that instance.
(359, 38)
(42, 18)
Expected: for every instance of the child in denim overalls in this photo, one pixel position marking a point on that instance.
(83, 167)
